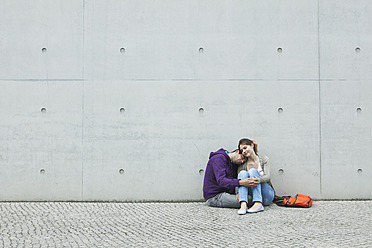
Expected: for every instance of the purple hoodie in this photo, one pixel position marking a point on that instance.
(220, 175)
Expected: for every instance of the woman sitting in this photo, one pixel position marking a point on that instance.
(257, 168)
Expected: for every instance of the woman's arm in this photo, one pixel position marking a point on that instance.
(266, 169)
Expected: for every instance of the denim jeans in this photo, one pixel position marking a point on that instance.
(262, 193)
(223, 200)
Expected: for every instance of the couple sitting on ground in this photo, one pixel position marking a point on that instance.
(252, 182)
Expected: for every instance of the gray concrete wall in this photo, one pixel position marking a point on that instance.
(124, 100)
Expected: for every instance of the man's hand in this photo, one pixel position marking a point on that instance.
(237, 197)
(249, 182)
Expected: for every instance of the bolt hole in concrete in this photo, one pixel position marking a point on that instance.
(43, 110)
(357, 50)
(279, 50)
(42, 171)
(201, 172)
(201, 50)
(122, 50)
(280, 110)
(359, 110)
(201, 110)
(359, 171)
(121, 171)
(43, 50)
(281, 171)
(122, 110)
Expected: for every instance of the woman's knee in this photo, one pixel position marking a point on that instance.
(254, 172)
(243, 174)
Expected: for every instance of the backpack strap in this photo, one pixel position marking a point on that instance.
(279, 200)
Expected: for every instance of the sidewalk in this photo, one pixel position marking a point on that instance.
(59, 224)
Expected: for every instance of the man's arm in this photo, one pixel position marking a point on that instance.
(219, 167)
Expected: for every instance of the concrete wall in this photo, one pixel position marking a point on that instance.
(124, 100)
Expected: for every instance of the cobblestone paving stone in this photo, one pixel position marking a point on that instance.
(67, 224)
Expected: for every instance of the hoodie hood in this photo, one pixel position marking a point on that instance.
(220, 151)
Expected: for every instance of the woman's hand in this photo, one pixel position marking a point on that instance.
(249, 182)
(237, 197)
(253, 182)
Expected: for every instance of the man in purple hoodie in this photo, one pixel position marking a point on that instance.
(220, 179)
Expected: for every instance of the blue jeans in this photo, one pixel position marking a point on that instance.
(262, 193)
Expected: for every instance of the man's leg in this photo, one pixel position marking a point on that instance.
(223, 200)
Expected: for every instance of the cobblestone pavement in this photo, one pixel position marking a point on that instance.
(66, 224)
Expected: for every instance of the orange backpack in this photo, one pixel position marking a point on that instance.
(298, 200)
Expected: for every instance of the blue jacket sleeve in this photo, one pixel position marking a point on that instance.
(221, 171)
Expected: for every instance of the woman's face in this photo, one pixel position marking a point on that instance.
(247, 150)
